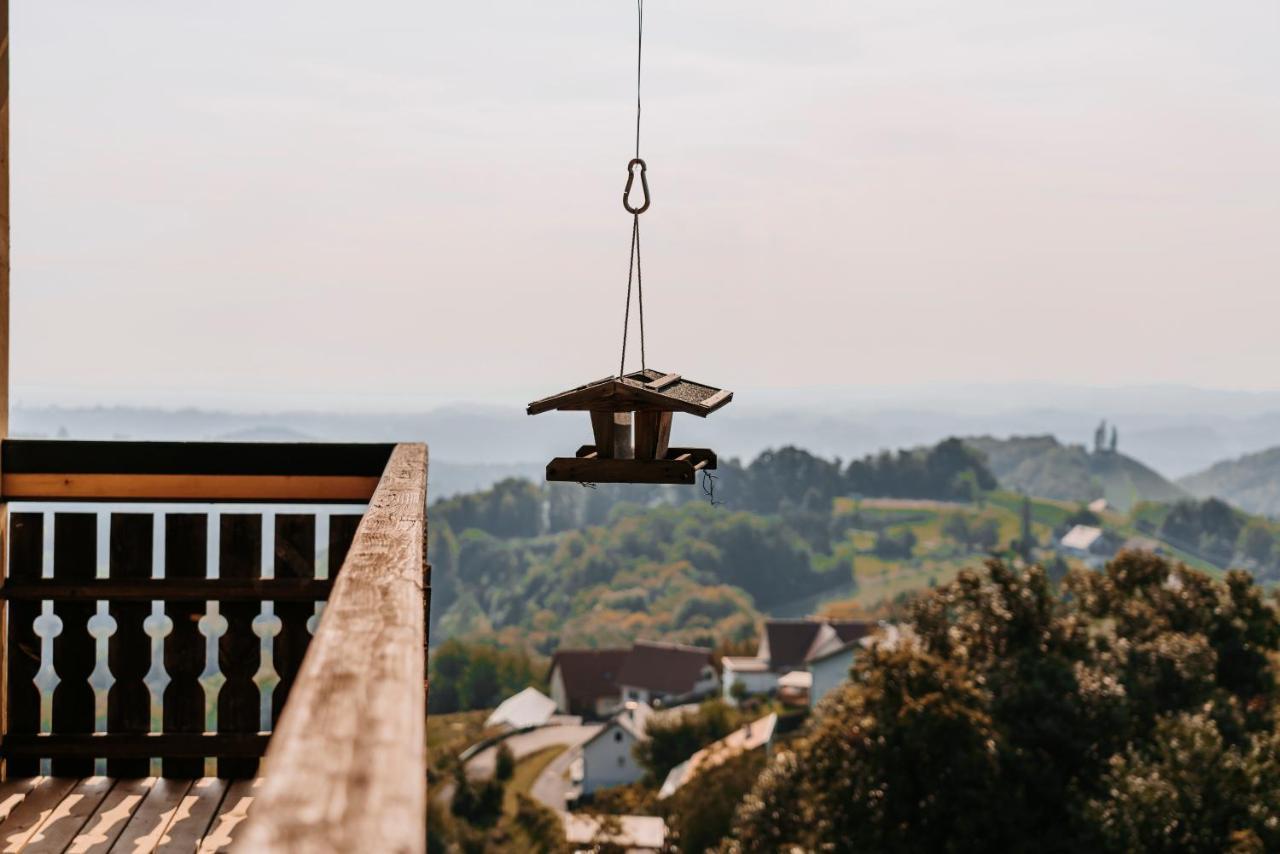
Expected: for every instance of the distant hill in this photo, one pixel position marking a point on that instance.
(1251, 482)
(1044, 467)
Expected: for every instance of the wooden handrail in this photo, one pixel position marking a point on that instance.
(301, 472)
(346, 767)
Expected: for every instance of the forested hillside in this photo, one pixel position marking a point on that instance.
(1044, 467)
(563, 564)
(1251, 482)
(527, 568)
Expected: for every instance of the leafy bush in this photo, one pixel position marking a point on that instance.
(1132, 710)
(467, 676)
(675, 738)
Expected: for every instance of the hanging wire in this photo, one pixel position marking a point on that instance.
(633, 258)
(709, 488)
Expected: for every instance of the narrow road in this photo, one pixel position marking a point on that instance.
(552, 784)
(482, 764)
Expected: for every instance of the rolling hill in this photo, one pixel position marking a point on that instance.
(1044, 467)
(1251, 482)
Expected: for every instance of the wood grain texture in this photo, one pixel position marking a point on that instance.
(106, 825)
(146, 826)
(231, 814)
(193, 816)
(70, 815)
(74, 486)
(653, 434)
(346, 767)
(26, 817)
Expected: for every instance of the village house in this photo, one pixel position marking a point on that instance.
(667, 673)
(608, 756)
(786, 646)
(595, 682)
(585, 681)
(829, 664)
(1089, 544)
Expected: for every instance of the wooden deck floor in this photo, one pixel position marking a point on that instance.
(100, 814)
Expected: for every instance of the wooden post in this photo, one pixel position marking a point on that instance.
(4, 336)
(613, 435)
(602, 428)
(653, 432)
(622, 436)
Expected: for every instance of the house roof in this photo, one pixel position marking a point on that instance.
(632, 718)
(1081, 537)
(589, 674)
(837, 634)
(756, 734)
(530, 707)
(743, 664)
(631, 832)
(668, 668)
(786, 642)
(639, 391)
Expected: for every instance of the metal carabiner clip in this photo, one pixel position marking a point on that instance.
(644, 184)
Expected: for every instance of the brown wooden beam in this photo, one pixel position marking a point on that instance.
(663, 381)
(679, 467)
(184, 487)
(346, 769)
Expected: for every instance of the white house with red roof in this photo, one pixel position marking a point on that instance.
(786, 646)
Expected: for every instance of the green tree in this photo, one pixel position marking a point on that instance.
(701, 812)
(504, 764)
(1257, 541)
(1092, 715)
(956, 526)
(986, 534)
(673, 740)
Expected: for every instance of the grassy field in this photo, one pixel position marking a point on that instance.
(448, 735)
(937, 558)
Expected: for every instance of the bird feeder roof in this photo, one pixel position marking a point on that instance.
(641, 391)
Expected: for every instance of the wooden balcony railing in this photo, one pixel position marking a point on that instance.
(161, 605)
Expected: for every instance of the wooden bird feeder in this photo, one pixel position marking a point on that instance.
(644, 400)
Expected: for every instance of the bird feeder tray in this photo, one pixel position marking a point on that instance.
(631, 421)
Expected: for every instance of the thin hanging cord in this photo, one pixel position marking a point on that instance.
(633, 259)
(626, 315)
(639, 54)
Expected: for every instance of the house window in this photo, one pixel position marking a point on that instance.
(622, 760)
(617, 736)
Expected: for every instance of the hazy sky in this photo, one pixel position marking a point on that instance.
(384, 203)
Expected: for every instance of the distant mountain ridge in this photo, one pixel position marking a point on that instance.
(1251, 482)
(1044, 467)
